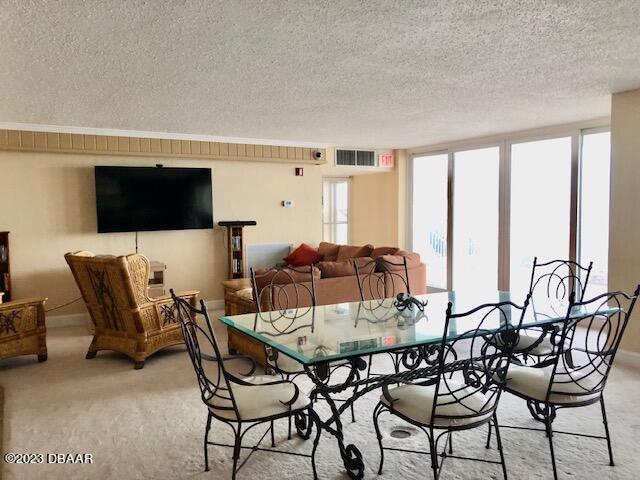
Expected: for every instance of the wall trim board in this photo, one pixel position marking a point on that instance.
(81, 319)
(113, 132)
(90, 144)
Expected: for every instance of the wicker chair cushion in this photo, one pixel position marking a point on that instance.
(534, 382)
(416, 402)
(259, 401)
(245, 293)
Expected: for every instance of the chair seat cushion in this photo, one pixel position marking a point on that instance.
(258, 400)
(416, 403)
(533, 383)
(286, 364)
(530, 337)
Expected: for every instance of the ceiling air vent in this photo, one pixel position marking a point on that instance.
(356, 158)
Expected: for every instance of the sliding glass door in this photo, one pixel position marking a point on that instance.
(594, 208)
(481, 215)
(429, 212)
(540, 206)
(476, 218)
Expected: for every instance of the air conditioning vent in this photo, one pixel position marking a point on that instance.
(365, 158)
(345, 157)
(356, 158)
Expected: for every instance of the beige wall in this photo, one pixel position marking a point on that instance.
(624, 229)
(378, 206)
(48, 203)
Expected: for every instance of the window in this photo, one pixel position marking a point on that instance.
(430, 215)
(335, 210)
(594, 208)
(540, 206)
(480, 215)
(475, 218)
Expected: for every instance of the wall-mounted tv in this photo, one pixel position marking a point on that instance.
(136, 199)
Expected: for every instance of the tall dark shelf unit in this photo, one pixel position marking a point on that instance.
(5, 269)
(235, 246)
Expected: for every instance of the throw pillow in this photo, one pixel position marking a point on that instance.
(350, 251)
(329, 251)
(302, 256)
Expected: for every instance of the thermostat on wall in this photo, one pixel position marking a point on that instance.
(287, 203)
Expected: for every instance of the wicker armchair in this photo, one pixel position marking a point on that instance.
(126, 320)
(22, 328)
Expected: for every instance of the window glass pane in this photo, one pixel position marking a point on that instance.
(429, 223)
(594, 209)
(540, 206)
(475, 218)
(340, 233)
(341, 203)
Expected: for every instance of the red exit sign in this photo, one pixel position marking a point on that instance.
(385, 160)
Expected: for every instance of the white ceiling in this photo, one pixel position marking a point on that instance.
(351, 73)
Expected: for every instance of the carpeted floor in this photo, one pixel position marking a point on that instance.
(148, 424)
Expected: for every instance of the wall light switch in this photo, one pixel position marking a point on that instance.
(287, 203)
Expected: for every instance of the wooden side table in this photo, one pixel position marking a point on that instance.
(23, 330)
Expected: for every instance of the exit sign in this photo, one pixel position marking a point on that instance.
(385, 160)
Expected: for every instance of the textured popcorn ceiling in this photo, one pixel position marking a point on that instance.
(375, 73)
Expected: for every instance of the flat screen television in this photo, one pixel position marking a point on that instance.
(136, 199)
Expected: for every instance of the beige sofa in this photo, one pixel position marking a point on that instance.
(335, 282)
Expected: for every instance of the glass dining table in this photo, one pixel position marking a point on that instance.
(334, 343)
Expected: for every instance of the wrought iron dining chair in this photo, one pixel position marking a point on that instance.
(240, 403)
(576, 374)
(551, 282)
(380, 279)
(464, 394)
(279, 295)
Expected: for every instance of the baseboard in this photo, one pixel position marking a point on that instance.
(629, 358)
(81, 319)
(70, 320)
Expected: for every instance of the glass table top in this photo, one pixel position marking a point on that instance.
(314, 335)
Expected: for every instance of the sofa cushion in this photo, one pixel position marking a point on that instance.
(379, 251)
(395, 262)
(285, 275)
(351, 251)
(329, 251)
(303, 255)
(345, 268)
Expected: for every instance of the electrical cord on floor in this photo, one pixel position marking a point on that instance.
(63, 305)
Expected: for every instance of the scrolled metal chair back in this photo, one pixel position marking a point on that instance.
(379, 279)
(280, 289)
(558, 278)
(196, 336)
(588, 344)
(476, 360)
